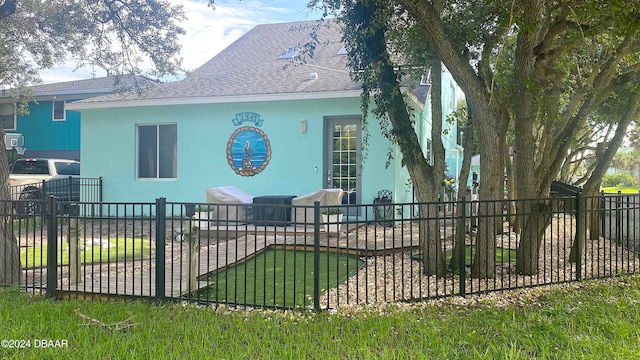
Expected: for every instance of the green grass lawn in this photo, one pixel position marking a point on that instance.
(279, 278)
(590, 320)
(122, 249)
(622, 189)
(33, 222)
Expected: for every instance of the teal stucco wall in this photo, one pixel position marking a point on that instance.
(423, 126)
(296, 165)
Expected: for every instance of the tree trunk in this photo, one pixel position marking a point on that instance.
(433, 261)
(593, 183)
(9, 261)
(534, 211)
(10, 268)
(463, 192)
(537, 215)
(490, 190)
(593, 206)
(514, 221)
(426, 179)
(594, 215)
(433, 258)
(485, 120)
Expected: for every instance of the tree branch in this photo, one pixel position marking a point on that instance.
(120, 325)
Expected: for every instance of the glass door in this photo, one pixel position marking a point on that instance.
(342, 160)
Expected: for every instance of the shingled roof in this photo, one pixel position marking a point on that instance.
(252, 65)
(88, 87)
(253, 69)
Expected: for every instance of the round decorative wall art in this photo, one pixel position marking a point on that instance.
(248, 151)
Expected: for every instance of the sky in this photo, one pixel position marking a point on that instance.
(208, 31)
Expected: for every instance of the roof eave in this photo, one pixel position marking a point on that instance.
(124, 103)
(412, 97)
(88, 92)
(40, 95)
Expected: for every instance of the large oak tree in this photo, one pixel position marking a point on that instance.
(540, 67)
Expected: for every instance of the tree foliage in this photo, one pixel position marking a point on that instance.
(618, 179)
(119, 36)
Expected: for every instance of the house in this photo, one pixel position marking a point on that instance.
(251, 118)
(48, 129)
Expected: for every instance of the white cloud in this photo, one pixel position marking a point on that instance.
(208, 31)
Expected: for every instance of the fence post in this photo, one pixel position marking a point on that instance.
(619, 218)
(100, 189)
(316, 256)
(580, 223)
(191, 237)
(602, 209)
(161, 229)
(461, 249)
(70, 188)
(52, 247)
(100, 208)
(75, 270)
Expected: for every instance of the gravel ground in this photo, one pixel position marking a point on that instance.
(396, 277)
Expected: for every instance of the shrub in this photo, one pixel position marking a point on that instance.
(618, 179)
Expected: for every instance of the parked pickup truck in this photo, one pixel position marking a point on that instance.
(33, 179)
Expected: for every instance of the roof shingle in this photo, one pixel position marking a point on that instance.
(251, 69)
(251, 66)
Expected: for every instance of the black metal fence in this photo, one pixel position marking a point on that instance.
(68, 190)
(286, 256)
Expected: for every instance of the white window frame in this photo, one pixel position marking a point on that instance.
(53, 110)
(158, 148)
(453, 98)
(429, 152)
(15, 119)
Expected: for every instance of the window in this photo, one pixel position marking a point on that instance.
(157, 151)
(67, 168)
(426, 78)
(32, 167)
(289, 54)
(453, 104)
(8, 115)
(59, 114)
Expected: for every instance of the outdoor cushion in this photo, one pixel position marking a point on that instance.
(324, 196)
(231, 202)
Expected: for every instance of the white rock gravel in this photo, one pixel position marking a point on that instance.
(396, 277)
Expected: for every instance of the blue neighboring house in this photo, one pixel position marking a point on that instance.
(252, 118)
(49, 130)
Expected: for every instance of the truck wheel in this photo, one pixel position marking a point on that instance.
(26, 205)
